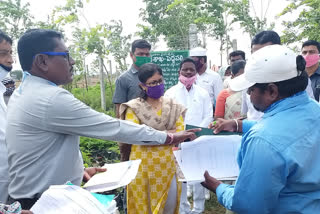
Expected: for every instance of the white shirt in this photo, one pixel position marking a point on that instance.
(3, 148)
(212, 82)
(42, 135)
(197, 101)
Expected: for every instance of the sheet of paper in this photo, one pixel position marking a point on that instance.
(68, 199)
(216, 154)
(117, 175)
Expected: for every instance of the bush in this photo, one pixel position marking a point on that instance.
(97, 152)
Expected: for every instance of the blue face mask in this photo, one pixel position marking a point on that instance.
(8, 69)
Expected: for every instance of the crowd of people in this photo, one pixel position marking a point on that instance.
(271, 97)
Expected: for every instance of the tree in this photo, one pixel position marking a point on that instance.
(15, 18)
(306, 26)
(171, 19)
(119, 45)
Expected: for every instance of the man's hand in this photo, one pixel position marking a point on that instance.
(210, 182)
(179, 137)
(91, 171)
(225, 125)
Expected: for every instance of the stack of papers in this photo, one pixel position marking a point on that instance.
(117, 175)
(216, 154)
(70, 199)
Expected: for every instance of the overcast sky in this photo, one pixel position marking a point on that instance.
(102, 11)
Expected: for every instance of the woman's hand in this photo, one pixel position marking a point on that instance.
(179, 137)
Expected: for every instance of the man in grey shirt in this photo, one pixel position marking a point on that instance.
(45, 121)
(127, 85)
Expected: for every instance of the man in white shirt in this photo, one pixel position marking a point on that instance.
(206, 78)
(45, 122)
(6, 62)
(199, 113)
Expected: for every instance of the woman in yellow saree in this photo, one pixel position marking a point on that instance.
(155, 189)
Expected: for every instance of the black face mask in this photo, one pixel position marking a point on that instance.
(6, 68)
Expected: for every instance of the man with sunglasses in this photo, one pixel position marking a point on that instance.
(45, 122)
(6, 62)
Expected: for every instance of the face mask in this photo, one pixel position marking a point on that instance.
(140, 60)
(4, 71)
(155, 92)
(187, 82)
(311, 59)
(9, 91)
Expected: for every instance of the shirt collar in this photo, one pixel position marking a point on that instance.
(318, 70)
(133, 69)
(181, 86)
(286, 103)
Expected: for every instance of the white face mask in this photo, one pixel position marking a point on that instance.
(3, 73)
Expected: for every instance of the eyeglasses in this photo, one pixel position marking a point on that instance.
(66, 55)
(154, 83)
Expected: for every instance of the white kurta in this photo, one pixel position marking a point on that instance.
(212, 82)
(3, 148)
(197, 101)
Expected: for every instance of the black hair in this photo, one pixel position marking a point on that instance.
(312, 42)
(188, 59)
(35, 41)
(140, 43)
(5, 37)
(145, 72)
(266, 36)
(237, 53)
(288, 88)
(237, 66)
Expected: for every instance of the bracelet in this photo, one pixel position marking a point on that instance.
(235, 120)
(170, 135)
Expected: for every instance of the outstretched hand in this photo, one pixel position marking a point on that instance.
(91, 171)
(179, 137)
(223, 125)
(210, 182)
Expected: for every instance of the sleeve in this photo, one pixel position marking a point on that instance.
(66, 114)
(218, 86)
(120, 93)
(220, 104)
(180, 124)
(207, 116)
(131, 116)
(261, 178)
(247, 124)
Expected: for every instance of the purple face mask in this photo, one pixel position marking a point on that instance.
(155, 92)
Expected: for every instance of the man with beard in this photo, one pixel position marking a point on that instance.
(6, 62)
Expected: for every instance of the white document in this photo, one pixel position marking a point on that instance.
(216, 154)
(117, 175)
(68, 199)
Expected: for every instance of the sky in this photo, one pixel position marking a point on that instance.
(103, 11)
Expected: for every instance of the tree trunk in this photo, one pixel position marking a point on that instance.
(102, 86)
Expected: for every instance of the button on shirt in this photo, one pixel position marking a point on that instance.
(44, 125)
(212, 82)
(279, 162)
(127, 86)
(197, 101)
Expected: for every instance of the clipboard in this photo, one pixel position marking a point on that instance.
(207, 131)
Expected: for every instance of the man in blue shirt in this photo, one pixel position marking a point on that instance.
(279, 155)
